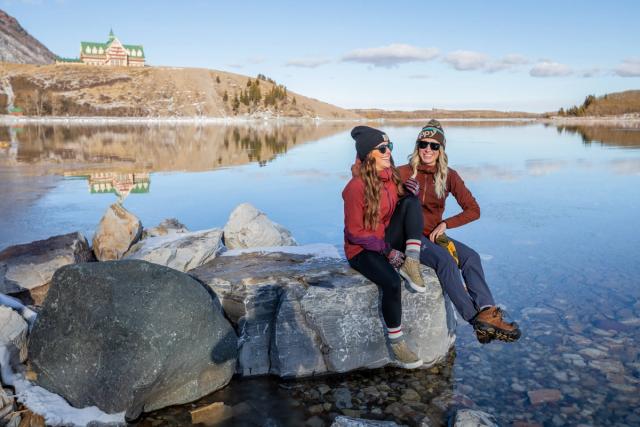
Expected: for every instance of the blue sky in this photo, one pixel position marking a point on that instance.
(508, 55)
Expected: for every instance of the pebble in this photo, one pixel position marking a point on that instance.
(544, 395)
(342, 398)
(410, 395)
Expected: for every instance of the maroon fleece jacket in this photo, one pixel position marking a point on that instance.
(356, 237)
(433, 207)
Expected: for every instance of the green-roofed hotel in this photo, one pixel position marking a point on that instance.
(111, 53)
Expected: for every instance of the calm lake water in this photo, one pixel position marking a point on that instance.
(558, 236)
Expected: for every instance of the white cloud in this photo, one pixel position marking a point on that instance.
(466, 60)
(515, 59)
(630, 67)
(550, 69)
(307, 62)
(391, 55)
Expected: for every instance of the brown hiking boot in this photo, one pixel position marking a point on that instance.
(405, 358)
(410, 270)
(489, 324)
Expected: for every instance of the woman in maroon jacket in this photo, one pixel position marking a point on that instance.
(382, 232)
(428, 171)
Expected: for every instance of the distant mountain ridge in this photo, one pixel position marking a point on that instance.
(438, 113)
(18, 46)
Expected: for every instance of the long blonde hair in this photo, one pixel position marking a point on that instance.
(372, 187)
(442, 170)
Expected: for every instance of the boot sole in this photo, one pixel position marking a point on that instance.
(418, 289)
(412, 365)
(486, 334)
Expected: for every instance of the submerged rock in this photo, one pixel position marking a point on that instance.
(472, 418)
(250, 228)
(299, 315)
(27, 269)
(342, 421)
(180, 250)
(117, 231)
(144, 337)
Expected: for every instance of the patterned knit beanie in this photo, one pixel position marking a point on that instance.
(433, 130)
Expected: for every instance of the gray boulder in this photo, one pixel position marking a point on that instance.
(169, 225)
(299, 315)
(250, 228)
(117, 231)
(181, 250)
(27, 269)
(473, 418)
(13, 334)
(144, 337)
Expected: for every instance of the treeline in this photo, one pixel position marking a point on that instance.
(577, 111)
(253, 97)
(612, 104)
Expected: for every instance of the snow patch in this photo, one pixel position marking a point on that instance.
(317, 250)
(55, 410)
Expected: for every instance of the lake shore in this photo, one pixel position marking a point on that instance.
(101, 120)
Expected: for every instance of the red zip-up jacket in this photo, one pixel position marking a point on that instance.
(433, 207)
(356, 237)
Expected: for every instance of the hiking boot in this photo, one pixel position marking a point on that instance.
(410, 270)
(405, 358)
(489, 324)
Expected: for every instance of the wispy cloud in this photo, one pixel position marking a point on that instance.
(466, 60)
(308, 62)
(630, 67)
(510, 61)
(235, 65)
(420, 76)
(391, 55)
(593, 72)
(550, 69)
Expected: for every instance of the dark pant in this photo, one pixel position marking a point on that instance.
(406, 223)
(477, 294)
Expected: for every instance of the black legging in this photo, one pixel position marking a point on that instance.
(406, 223)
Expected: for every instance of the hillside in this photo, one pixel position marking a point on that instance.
(82, 90)
(612, 104)
(442, 114)
(17, 45)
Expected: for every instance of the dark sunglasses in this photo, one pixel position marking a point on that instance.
(435, 146)
(383, 148)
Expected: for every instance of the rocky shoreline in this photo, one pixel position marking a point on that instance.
(291, 311)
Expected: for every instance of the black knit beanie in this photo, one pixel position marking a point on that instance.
(366, 139)
(433, 130)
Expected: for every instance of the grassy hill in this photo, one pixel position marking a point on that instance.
(81, 90)
(613, 104)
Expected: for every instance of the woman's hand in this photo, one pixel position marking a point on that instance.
(412, 186)
(396, 258)
(440, 228)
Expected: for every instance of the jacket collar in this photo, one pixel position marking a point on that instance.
(385, 174)
(427, 169)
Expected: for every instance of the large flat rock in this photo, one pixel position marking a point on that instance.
(131, 336)
(182, 250)
(27, 269)
(299, 315)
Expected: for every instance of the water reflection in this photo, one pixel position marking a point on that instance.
(625, 135)
(123, 149)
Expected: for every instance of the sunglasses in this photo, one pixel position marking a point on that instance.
(383, 148)
(435, 146)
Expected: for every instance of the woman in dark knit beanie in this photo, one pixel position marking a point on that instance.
(382, 232)
(428, 170)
